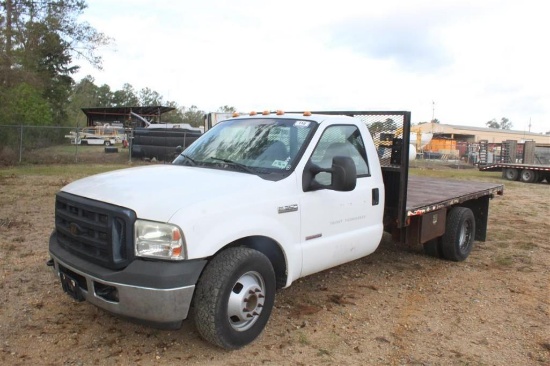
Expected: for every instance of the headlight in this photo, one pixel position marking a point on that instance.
(158, 240)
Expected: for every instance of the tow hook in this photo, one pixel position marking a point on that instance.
(50, 263)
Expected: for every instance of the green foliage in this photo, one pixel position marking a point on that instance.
(125, 97)
(504, 124)
(193, 116)
(24, 104)
(388, 125)
(39, 40)
(226, 109)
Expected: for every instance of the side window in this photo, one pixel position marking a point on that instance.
(340, 140)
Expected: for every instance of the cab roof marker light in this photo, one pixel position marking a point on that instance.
(307, 113)
(279, 112)
(265, 113)
(253, 113)
(236, 114)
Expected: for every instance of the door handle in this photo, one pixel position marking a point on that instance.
(375, 196)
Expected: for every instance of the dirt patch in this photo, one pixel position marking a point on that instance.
(394, 307)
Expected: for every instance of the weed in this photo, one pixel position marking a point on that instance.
(527, 246)
(303, 340)
(504, 260)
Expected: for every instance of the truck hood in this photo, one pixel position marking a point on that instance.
(157, 192)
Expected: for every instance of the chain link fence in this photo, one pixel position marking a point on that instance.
(21, 144)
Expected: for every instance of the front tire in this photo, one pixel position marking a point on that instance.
(511, 174)
(234, 297)
(458, 240)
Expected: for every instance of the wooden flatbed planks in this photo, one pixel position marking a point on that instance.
(429, 194)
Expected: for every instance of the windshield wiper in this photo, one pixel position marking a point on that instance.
(189, 159)
(246, 168)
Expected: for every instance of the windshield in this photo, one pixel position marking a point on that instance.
(252, 145)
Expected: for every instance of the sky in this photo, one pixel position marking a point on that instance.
(459, 61)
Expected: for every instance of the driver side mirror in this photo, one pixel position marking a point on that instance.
(343, 175)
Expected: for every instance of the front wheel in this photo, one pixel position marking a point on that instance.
(511, 174)
(107, 143)
(458, 240)
(234, 297)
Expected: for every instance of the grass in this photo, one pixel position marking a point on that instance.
(302, 339)
(69, 170)
(442, 169)
(64, 154)
(504, 260)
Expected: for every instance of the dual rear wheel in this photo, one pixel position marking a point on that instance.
(458, 240)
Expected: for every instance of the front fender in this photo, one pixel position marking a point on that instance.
(206, 237)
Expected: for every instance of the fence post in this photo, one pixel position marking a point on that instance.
(76, 144)
(130, 138)
(20, 144)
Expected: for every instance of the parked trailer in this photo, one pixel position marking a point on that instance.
(532, 165)
(527, 173)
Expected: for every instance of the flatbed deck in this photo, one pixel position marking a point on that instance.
(429, 194)
(500, 166)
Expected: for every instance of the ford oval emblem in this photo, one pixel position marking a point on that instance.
(74, 229)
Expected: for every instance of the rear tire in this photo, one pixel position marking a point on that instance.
(529, 176)
(234, 297)
(458, 240)
(511, 174)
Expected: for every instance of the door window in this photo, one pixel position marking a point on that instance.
(340, 140)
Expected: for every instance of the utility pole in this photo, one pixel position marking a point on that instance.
(433, 111)
(529, 124)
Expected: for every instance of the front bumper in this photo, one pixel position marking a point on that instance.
(155, 292)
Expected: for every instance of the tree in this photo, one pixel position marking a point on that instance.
(227, 109)
(38, 41)
(125, 97)
(194, 116)
(376, 127)
(104, 96)
(174, 116)
(492, 123)
(149, 98)
(27, 106)
(83, 94)
(389, 125)
(504, 124)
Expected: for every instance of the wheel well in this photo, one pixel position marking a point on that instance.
(271, 249)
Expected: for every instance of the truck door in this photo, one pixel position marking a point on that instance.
(338, 227)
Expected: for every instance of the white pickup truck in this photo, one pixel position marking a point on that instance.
(257, 202)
